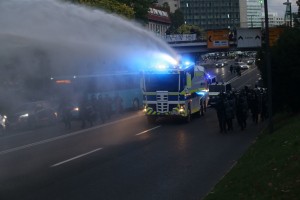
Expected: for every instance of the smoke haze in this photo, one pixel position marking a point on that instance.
(45, 38)
(71, 38)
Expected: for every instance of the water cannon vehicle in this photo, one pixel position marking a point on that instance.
(175, 91)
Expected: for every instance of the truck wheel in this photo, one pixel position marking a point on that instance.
(188, 117)
(202, 110)
(135, 104)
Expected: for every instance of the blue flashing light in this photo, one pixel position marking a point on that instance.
(200, 93)
(187, 63)
(161, 67)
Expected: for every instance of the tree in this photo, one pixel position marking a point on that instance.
(297, 15)
(140, 7)
(177, 19)
(108, 5)
(166, 6)
(191, 29)
(285, 73)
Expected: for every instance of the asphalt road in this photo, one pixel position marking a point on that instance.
(125, 158)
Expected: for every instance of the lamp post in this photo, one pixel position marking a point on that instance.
(269, 70)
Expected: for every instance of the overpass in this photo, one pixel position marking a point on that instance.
(196, 49)
(245, 39)
(199, 47)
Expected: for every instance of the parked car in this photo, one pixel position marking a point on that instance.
(31, 115)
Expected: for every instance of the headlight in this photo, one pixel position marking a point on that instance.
(76, 109)
(181, 109)
(4, 119)
(24, 116)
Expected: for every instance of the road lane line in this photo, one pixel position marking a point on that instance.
(147, 130)
(76, 157)
(63, 136)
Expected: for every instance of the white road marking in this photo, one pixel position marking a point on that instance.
(76, 157)
(147, 130)
(63, 136)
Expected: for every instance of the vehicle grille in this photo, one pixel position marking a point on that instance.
(162, 102)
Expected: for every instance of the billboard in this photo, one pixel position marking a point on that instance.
(217, 39)
(247, 38)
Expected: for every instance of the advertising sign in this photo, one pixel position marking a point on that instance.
(248, 38)
(217, 39)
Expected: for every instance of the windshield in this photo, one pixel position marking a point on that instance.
(161, 82)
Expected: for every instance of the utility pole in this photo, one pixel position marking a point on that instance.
(269, 69)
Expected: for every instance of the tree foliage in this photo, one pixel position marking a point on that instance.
(166, 6)
(285, 64)
(140, 7)
(191, 29)
(177, 19)
(108, 5)
(297, 15)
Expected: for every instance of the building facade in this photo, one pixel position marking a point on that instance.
(254, 13)
(215, 14)
(159, 20)
(274, 20)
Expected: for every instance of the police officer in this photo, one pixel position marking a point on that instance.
(220, 108)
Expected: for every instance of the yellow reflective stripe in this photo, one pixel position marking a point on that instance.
(199, 73)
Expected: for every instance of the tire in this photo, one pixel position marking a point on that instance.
(188, 117)
(201, 111)
(136, 104)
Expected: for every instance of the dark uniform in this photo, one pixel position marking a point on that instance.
(220, 108)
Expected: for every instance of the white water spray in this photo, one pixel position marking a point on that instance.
(57, 38)
(44, 38)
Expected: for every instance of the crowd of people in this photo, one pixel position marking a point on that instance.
(91, 110)
(240, 105)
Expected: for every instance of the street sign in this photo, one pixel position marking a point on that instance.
(248, 38)
(274, 34)
(217, 39)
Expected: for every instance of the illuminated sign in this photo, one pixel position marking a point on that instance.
(63, 81)
(217, 39)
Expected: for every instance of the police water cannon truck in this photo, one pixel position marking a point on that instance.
(178, 90)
